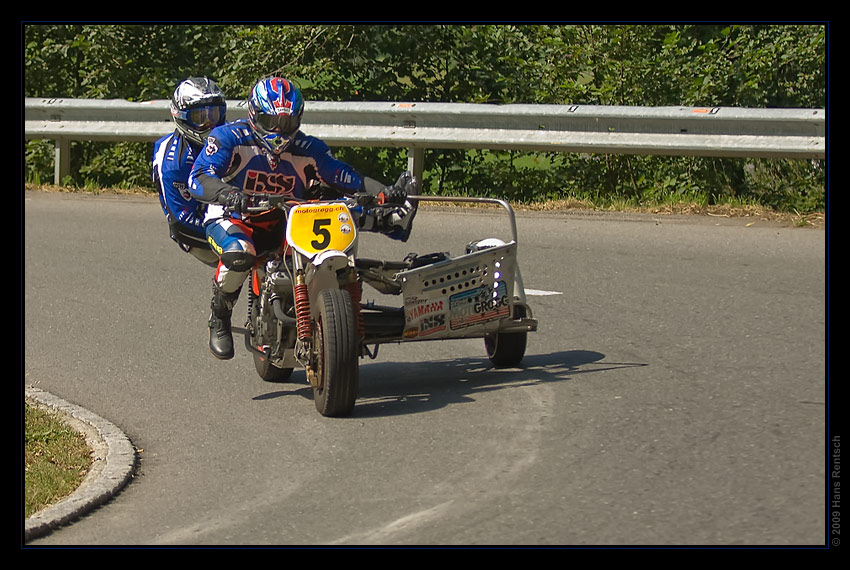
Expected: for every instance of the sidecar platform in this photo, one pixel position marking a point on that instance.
(472, 295)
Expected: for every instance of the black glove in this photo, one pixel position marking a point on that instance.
(398, 192)
(234, 200)
(392, 195)
(408, 183)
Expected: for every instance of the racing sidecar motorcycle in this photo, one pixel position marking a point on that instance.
(306, 308)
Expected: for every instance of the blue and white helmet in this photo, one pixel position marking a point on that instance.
(198, 106)
(274, 112)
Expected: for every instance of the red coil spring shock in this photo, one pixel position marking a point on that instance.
(302, 309)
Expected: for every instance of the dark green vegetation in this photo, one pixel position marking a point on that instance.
(640, 65)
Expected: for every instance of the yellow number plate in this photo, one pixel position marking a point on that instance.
(314, 228)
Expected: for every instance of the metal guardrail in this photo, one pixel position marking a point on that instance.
(671, 131)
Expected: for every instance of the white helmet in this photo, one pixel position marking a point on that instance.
(198, 106)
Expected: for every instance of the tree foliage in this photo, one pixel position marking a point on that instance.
(645, 65)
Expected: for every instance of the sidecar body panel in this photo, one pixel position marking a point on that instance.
(467, 296)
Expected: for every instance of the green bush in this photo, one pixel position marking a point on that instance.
(638, 65)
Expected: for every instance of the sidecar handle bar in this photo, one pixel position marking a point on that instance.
(498, 201)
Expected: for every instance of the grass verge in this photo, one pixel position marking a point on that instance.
(56, 459)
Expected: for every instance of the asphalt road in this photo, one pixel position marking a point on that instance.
(673, 395)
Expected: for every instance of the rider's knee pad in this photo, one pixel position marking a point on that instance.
(238, 260)
(232, 244)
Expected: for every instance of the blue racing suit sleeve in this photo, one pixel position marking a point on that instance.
(330, 170)
(205, 179)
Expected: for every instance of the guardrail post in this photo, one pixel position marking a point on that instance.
(416, 162)
(61, 160)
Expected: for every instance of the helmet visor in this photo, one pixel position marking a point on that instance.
(206, 117)
(286, 125)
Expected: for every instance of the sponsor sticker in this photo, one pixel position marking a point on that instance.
(478, 306)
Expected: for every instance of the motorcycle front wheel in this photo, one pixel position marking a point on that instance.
(337, 350)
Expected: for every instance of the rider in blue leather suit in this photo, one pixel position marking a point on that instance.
(197, 106)
(267, 153)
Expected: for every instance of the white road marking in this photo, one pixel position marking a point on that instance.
(538, 292)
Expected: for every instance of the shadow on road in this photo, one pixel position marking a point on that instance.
(398, 388)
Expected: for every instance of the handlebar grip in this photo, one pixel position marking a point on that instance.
(271, 200)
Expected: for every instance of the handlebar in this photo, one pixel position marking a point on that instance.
(265, 202)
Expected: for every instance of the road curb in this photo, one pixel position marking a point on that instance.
(113, 466)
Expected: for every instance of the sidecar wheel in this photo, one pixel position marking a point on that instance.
(337, 352)
(507, 349)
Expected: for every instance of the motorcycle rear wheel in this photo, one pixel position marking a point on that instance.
(337, 349)
(265, 369)
(507, 349)
(268, 371)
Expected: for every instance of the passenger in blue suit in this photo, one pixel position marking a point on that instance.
(267, 153)
(197, 106)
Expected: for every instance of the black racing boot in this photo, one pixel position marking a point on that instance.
(221, 338)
